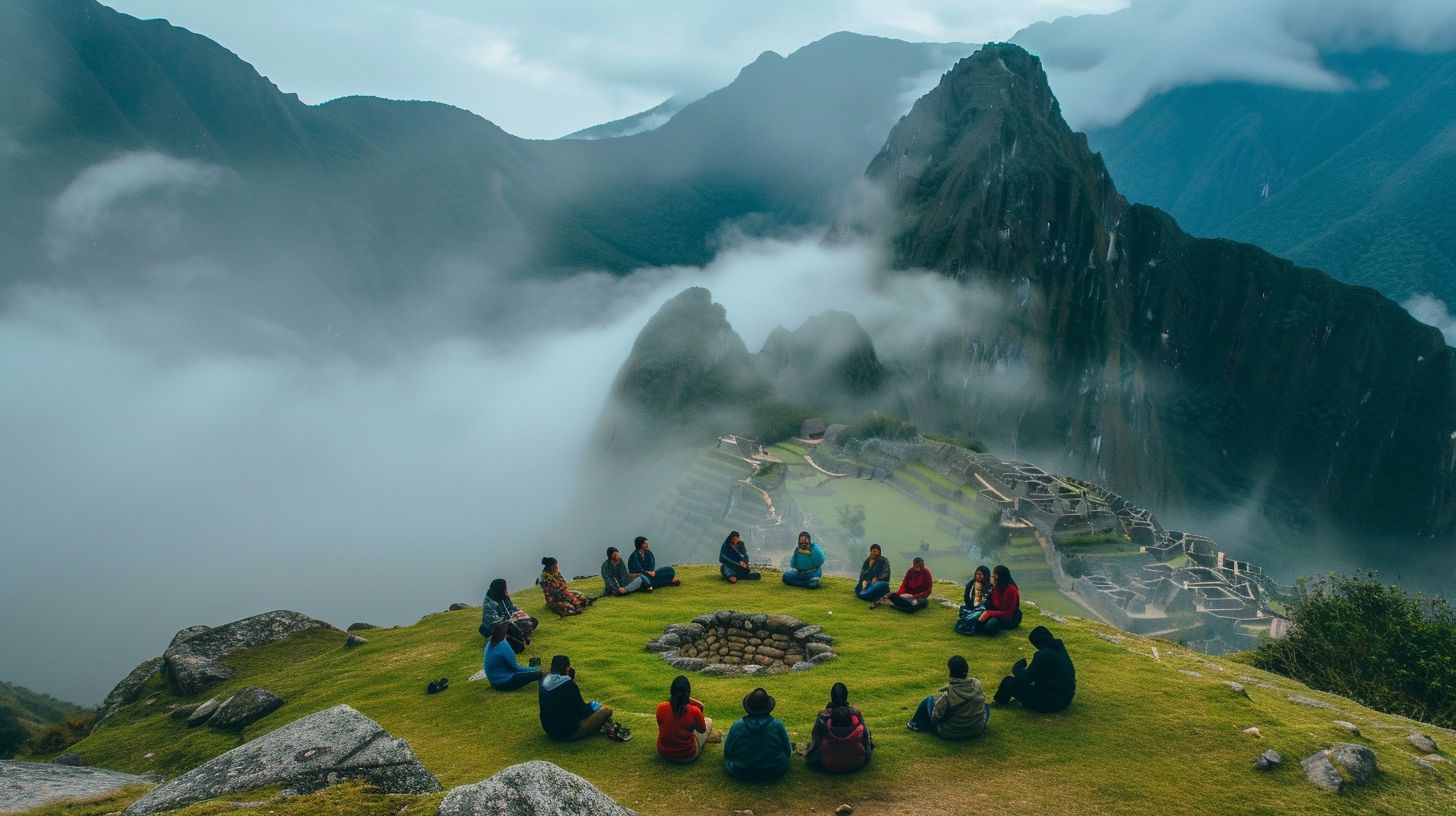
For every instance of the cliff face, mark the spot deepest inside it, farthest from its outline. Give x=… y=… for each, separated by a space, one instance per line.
x=1173 y=367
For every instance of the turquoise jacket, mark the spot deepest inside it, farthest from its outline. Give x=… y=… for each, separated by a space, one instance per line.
x=757 y=748
x=811 y=562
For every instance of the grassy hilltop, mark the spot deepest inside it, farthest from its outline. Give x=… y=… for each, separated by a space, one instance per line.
x=1142 y=736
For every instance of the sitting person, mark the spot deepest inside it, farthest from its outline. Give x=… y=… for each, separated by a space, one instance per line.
x=806 y=565
x=840 y=740
x=681 y=727
x=757 y=748
x=874 y=577
x=565 y=716
x=960 y=712
x=733 y=560
x=1048 y=684
x=617 y=579
x=977 y=598
x=643 y=562
x=498 y=607
x=1004 y=609
x=914 y=592
x=560 y=598
x=501 y=668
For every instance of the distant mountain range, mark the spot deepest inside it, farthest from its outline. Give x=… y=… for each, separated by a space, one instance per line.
x=134 y=153
x=1175 y=368
x=1356 y=183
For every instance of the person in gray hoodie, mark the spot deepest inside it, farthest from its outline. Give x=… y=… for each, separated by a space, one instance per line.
x=960 y=712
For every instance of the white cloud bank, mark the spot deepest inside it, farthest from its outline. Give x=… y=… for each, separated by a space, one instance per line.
x=1102 y=67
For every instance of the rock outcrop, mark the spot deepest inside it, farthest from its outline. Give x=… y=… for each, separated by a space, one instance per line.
x=194 y=663
x=129 y=689
x=307 y=755
x=247 y=705
x=533 y=788
x=29 y=785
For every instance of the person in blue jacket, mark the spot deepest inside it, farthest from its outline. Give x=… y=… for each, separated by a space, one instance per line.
x=806 y=565
x=733 y=560
x=643 y=562
x=757 y=748
x=501 y=668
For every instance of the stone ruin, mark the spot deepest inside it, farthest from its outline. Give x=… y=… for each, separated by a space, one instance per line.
x=732 y=643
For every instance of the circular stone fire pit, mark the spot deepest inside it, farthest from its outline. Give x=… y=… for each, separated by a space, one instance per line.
x=727 y=643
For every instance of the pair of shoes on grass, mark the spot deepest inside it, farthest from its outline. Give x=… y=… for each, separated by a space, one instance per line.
x=617 y=732
x=911 y=726
x=437 y=686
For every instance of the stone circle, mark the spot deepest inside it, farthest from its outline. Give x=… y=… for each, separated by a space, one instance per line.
x=728 y=643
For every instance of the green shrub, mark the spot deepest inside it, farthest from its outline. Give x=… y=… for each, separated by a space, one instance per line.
x=777 y=421
x=59 y=736
x=1373 y=643
x=12 y=733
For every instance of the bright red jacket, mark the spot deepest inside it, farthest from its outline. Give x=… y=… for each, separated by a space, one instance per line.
x=1004 y=601
x=916 y=583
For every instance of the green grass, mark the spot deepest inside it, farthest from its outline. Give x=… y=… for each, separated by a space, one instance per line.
x=1139 y=739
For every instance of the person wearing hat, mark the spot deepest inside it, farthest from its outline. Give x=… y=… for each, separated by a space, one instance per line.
x=840 y=740
x=681 y=727
x=757 y=748
x=806 y=565
x=1048 y=683
x=565 y=716
x=960 y=712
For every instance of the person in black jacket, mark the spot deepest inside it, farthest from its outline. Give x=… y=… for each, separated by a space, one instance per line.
x=1047 y=685
x=733 y=560
x=565 y=716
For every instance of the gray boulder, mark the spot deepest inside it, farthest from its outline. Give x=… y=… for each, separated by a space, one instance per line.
x=1422 y=742
x=307 y=755
x=1309 y=701
x=201 y=713
x=247 y=705
x=687 y=663
x=456 y=607
x=29 y=785
x=783 y=624
x=187 y=634
x=1357 y=761
x=70 y=758
x=354 y=640
x=193 y=664
x=359 y=627
x=1269 y=760
x=533 y=788
x=1319 y=770
x=816 y=649
x=822 y=657
x=807 y=631
x=129 y=689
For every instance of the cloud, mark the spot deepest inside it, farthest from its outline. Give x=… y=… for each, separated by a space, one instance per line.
x=1433 y=312
x=1102 y=67
x=135 y=194
x=541 y=70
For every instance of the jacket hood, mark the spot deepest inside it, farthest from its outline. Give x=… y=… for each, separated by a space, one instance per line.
x=962 y=689
x=758 y=722
x=551 y=681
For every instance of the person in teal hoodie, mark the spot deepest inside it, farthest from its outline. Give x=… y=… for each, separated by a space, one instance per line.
x=757 y=748
x=806 y=565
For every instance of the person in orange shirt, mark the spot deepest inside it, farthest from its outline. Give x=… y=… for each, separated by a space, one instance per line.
x=681 y=727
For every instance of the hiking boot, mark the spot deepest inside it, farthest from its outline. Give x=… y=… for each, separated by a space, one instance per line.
x=754 y=576
x=912 y=726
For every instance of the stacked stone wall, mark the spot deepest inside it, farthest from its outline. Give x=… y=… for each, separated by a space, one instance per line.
x=729 y=643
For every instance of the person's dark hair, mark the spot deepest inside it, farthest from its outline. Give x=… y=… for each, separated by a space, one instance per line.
x=498 y=632
x=611 y=550
x=1003 y=576
x=874 y=547
x=638 y=542
x=729 y=538
x=497 y=589
x=803 y=534
x=560 y=664
x=918 y=562
x=839 y=716
x=679 y=695
x=958 y=666
x=984 y=570
x=838 y=695
x=547 y=563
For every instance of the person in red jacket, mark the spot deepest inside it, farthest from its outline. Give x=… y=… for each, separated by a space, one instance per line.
x=681 y=727
x=1004 y=611
x=840 y=740
x=914 y=591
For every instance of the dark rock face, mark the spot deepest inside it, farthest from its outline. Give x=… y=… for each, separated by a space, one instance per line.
x=359 y=627
x=533 y=788
x=828 y=361
x=245 y=707
x=129 y=689
x=192 y=664
x=1152 y=354
x=184 y=634
x=308 y=755
x=29 y=785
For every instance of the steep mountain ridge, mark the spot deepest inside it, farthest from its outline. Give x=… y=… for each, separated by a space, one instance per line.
x=1172 y=366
